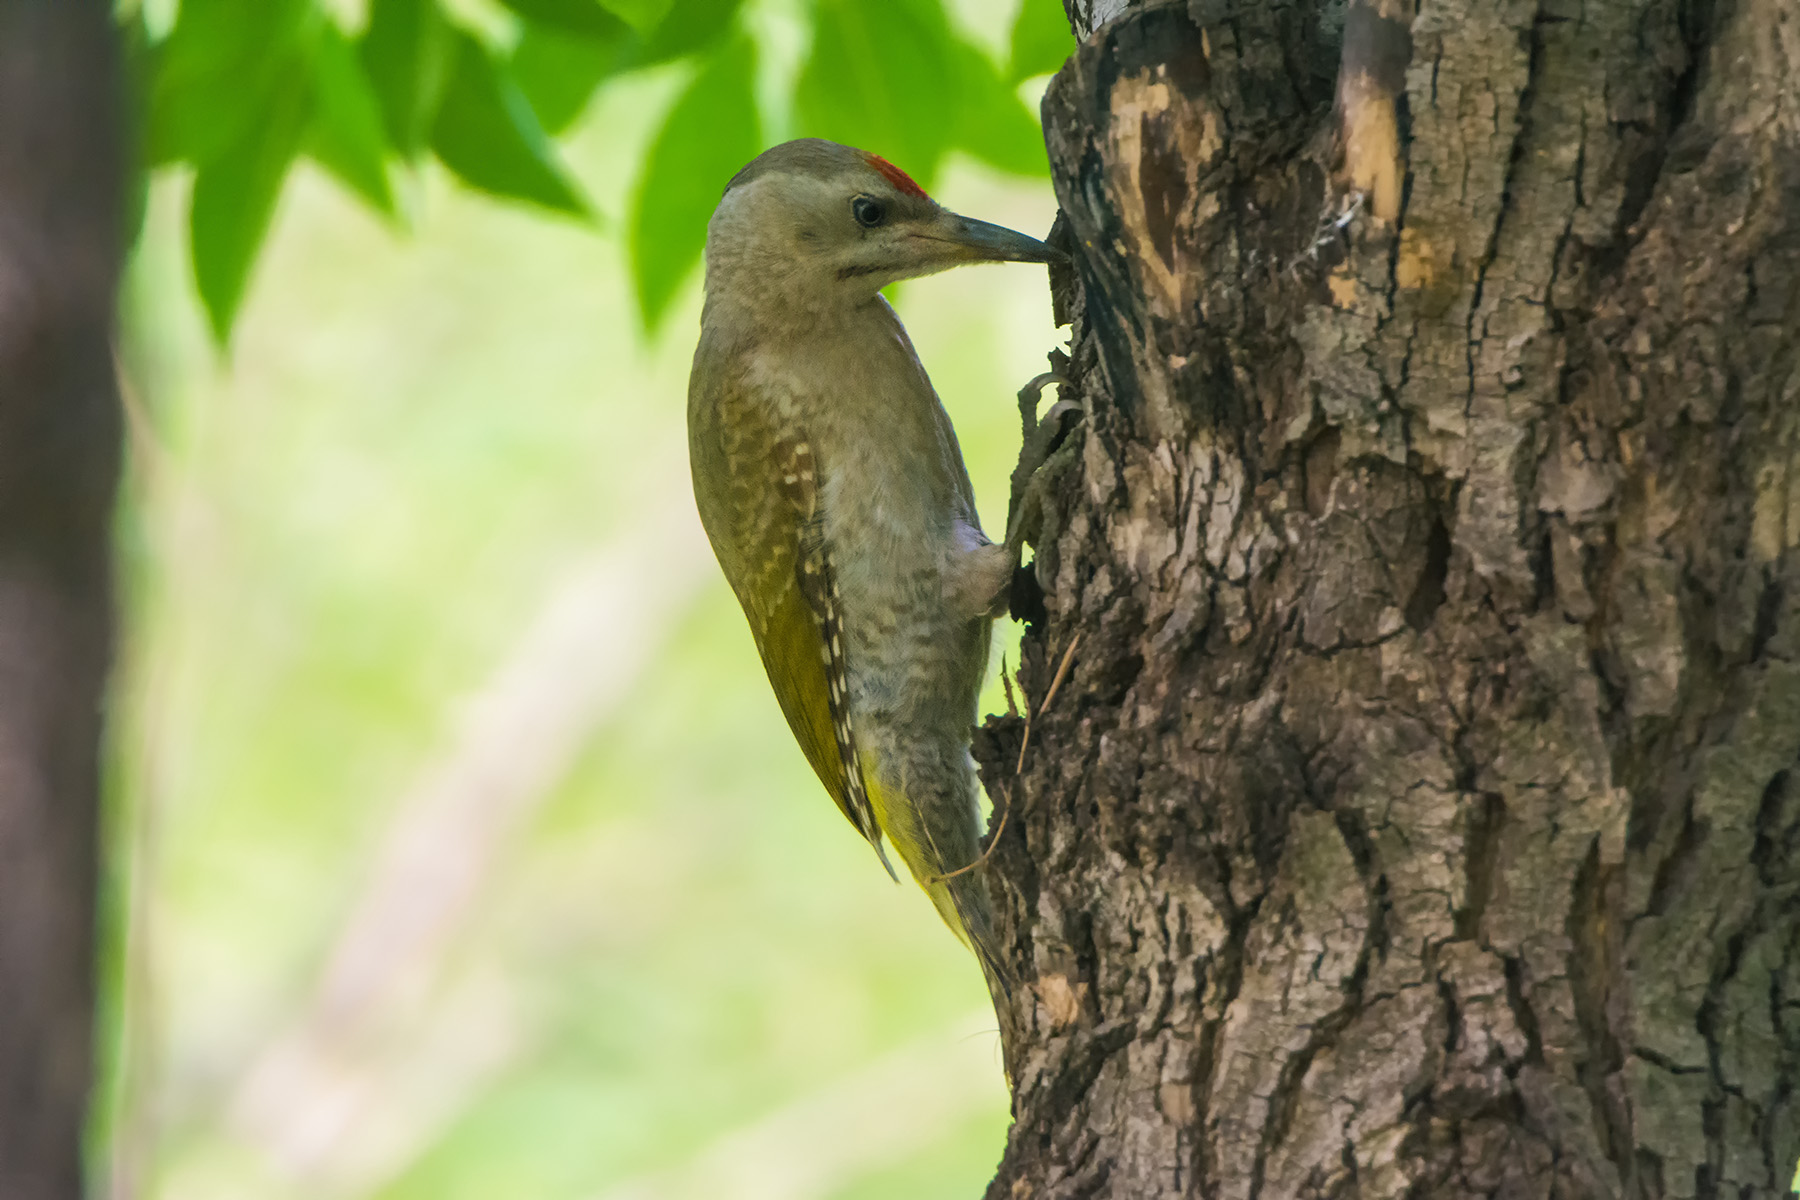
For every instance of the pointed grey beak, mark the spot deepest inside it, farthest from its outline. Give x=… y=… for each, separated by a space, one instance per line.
x=984 y=242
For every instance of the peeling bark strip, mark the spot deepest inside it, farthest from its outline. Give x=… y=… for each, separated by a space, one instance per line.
x=1420 y=817
x=1370 y=96
x=61 y=181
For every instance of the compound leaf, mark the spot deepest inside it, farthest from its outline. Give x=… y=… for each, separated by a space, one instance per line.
x=408 y=52
x=347 y=135
x=710 y=133
x=487 y=134
x=234 y=198
x=1041 y=39
x=992 y=123
x=881 y=77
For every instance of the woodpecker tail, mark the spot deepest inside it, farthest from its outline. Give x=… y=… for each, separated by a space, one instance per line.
x=944 y=857
x=975 y=910
x=962 y=901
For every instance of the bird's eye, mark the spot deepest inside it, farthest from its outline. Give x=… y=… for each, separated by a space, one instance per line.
x=868 y=211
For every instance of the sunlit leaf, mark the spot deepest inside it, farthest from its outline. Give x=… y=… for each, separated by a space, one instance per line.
x=642 y=15
x=234 y=197
x=589 y=18
x=690 y=26
x=992 y=123
x=558 y=71
x=1041 y=39
x=710 y=133
x=346 y=134
x=487 y=134
x=880 y=77
x=408 y=52
x=217 y=71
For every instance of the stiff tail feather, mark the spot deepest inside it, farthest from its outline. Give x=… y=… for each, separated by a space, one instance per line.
x=957 y=892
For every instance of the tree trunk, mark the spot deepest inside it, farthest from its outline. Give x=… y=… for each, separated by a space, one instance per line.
x=1418 y=815
x=61 y=174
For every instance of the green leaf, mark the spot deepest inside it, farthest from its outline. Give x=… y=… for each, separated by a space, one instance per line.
x=992 y=123
x=486 y=133
x=408 y=51
x=234 y=198
x=347 y=135
x=1041 y=39
x=588 y=18
x=710 y=133
x=641 y=15
x=558 y=72
x=217 y=71
x=880 y=78
x=690 y=27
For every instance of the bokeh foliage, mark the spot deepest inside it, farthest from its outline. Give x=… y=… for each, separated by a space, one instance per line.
x=238 y=90
x=342 y=536
x=336 y=543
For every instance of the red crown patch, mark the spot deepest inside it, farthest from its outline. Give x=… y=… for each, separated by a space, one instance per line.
x=894 y=175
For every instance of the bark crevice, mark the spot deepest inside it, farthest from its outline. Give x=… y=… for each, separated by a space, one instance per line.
x=1438 y=679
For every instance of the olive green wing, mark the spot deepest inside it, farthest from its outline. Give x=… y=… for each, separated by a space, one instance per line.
x=765 y=524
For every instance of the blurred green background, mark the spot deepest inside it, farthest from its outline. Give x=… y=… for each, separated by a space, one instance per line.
x=459 y=847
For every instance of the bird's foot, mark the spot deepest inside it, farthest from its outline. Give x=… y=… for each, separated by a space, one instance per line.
x=1040 y=439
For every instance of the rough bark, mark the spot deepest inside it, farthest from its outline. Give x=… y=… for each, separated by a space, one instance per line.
x=1419 y=815
x=60 y=187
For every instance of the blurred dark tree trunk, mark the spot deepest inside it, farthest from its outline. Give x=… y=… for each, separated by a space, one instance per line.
x=1419 y=816
x=61 y=181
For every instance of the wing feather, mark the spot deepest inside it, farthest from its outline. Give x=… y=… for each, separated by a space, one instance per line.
x=770 y=542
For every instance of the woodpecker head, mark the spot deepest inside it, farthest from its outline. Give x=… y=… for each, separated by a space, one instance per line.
x=824 y=224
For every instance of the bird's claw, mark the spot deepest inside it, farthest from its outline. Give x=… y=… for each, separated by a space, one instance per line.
x=1039 y=439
